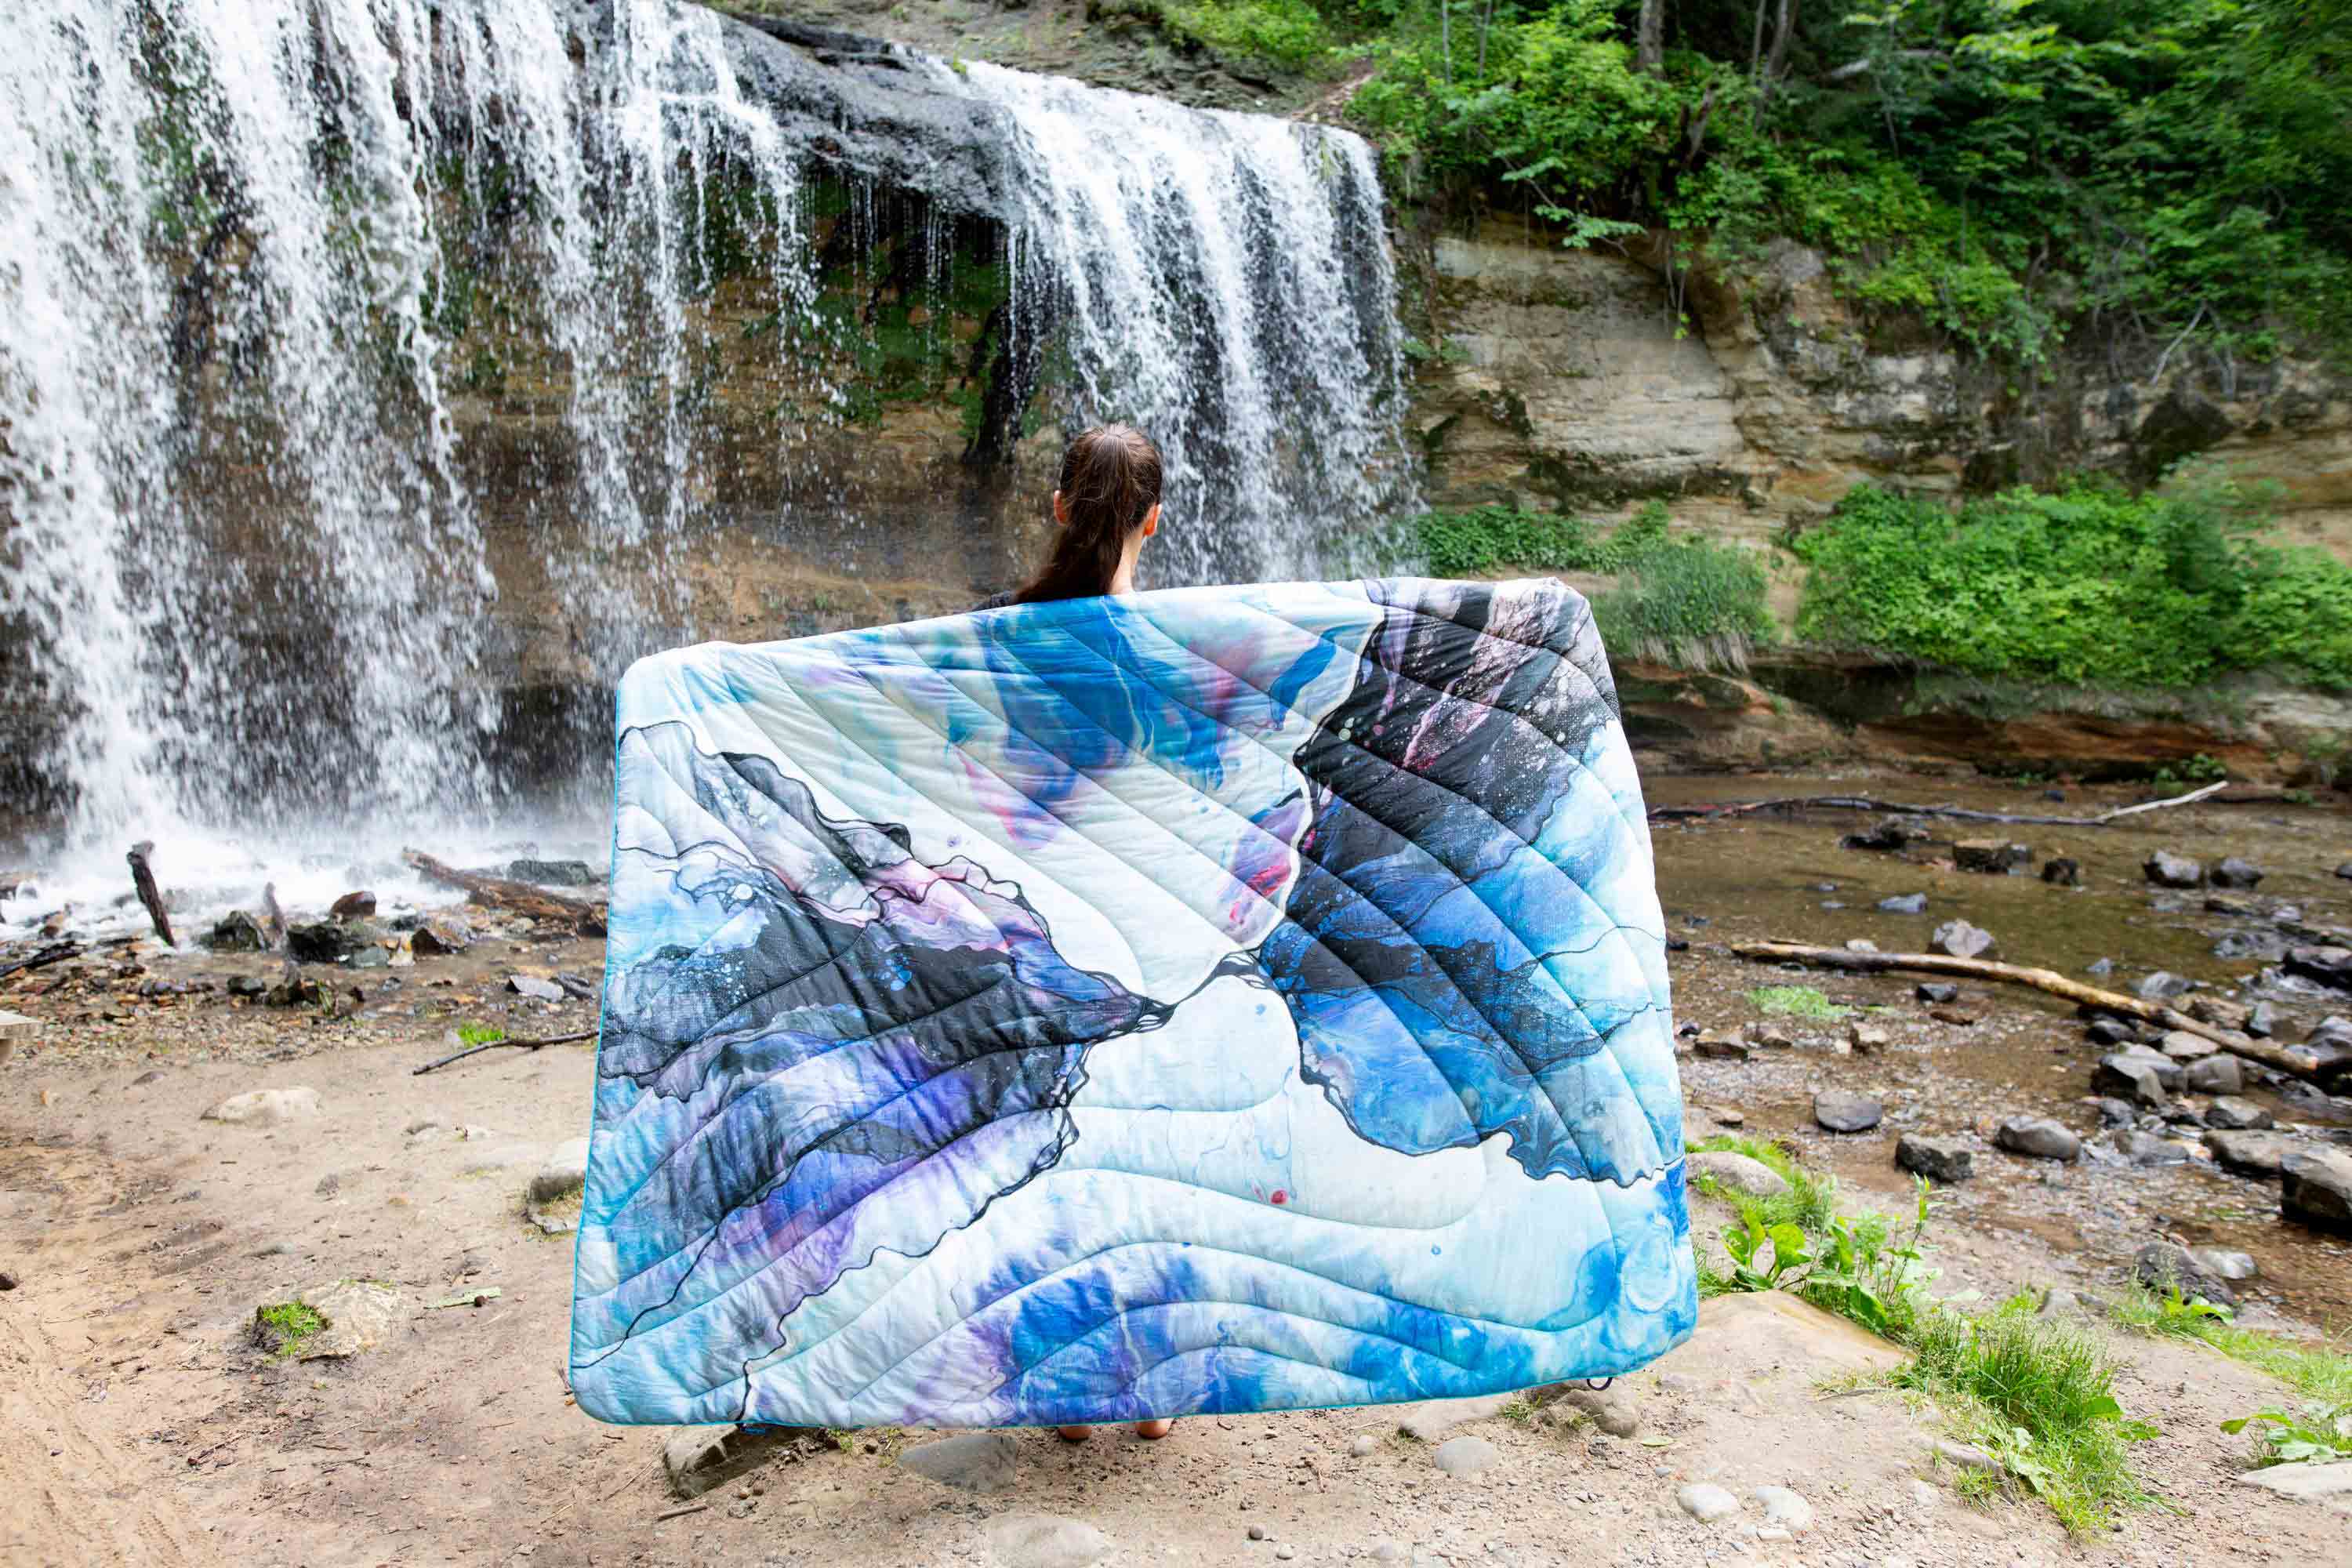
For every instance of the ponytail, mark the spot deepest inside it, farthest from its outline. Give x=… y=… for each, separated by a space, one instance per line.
x=1110 y=483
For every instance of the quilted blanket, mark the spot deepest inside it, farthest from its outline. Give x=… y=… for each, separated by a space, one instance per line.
x=1218 y=999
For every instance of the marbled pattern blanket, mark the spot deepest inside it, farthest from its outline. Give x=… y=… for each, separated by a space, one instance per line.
x=1218 y=999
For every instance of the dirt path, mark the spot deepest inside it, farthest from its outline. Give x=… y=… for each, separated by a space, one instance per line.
x=147 y=1427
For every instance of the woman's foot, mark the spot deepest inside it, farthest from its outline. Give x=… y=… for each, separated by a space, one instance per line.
x=1148 y=1430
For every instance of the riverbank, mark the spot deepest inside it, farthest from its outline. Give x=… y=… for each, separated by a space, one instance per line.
x=143 y=1237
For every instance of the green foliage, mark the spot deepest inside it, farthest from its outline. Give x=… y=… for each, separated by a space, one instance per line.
x=2315 y=1432
x=2085 y=584
x=1290 y=33
x=1686 y=602
x=286 y=1326
x=1795 y=1001
x=479 y=1033
x=2037 y=1395
x=2040 y=1397
x=2010 y=171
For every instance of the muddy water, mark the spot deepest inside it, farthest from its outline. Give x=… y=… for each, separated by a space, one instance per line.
x=1768 y=874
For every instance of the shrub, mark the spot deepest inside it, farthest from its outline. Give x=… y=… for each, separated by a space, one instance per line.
x=1693 y=604
x=2086 y=585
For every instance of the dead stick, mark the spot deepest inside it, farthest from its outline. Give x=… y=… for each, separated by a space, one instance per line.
x=494 y=1044
x=501 y=893
x=681 y=1512
x=144 y=880
x=2286 y=1058
x=42 y=959
x=1898 y=808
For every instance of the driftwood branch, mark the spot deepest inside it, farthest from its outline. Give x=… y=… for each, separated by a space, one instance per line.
x=143 y=879
x=42 y=959
x=1898 y=808
x=2285 y=1058
x=495 y=1045
x=520 y=897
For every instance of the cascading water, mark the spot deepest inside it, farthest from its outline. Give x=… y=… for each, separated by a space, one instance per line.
x=334 y=333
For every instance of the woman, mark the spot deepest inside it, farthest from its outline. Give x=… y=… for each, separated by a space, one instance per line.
x=1107 y=505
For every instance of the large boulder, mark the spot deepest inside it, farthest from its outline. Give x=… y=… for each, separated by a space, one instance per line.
x=235 y=931
x=2256 y=1154
x=326 y=942
x=2316 y=1187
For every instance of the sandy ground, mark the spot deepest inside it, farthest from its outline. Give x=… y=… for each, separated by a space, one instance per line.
x=145 y=1425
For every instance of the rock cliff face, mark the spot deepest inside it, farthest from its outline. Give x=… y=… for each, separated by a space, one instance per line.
x=1563 y=379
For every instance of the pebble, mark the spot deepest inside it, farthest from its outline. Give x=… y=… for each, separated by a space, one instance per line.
x=1044 y=1541
x=532 y=985
x=976 y=1462
x=1965 y=1456
x=266 y=1107
x=1257 y=1532
x=1364 y=1447
x=1903 y=904
x=1285 y=1552
x=1784 y=1509
x=1707 y=1503
x=1464 y=1456
x=1936 y=992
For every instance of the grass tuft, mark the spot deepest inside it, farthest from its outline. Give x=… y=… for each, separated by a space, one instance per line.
x=1795 y=1001
x=284 y=1327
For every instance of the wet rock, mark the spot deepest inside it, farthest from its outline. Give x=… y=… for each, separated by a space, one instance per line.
x=2230 y=1113
x=1045 y=1541
x=1859 y=945
x=2261 y=1020
x=1736 y=1172
x=2114 y=1112
x=371 y=958
x=2224 y=1264
x=248 y=986
x=2166 y=869
x=2100 y=967
x=1721 y=1045
x=2233 y=872
x=2146 y=1149
x=2183 y=1046
x=440 y=939
x=2161 y=985
x=2264 y=946
x=1944 y=1159
x=326 y=942
x=1841 y=1110
x=1892 y=834
x=553 y=873
x=1867 y=1040
x=1961 y=939
x=266 y=1107
x=1990 y=856
x=2108 y=1031
x=1903 y=904
x=976 y=1462
x=2217 y=1011
x=2256 y=1154
x=2164 y=1266
x=1936 y=992
x=532 y=985
x=1464 y=1456
x=2329 y=965
x=2345 y=870
x=2316 y=1187
x=235 y=931
x=1707 y=1503
x=2039 y=1138
x=579 y=988
x=2182 y=1114
x=2224 y=904
x=2145 y=1078
x=2061 y=872
x=352 y=906
x=2313 y=1104
x=2220 y=1073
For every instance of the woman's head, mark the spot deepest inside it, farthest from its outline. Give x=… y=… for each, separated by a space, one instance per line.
x=1105 y=505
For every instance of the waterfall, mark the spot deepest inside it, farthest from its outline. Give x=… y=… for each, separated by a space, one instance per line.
x=371 y=369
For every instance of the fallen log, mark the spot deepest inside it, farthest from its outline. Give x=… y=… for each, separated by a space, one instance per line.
x=45 y=957
x=585 y=918
x=495 y=1045
x=2303 y=1064
x=143 y=878
x=1899 y=808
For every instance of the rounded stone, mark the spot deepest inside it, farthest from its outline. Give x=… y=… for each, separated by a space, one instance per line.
x=1841 y=1110
x=1707 y=1503
x=1938 y=1159
x=2038 y=1138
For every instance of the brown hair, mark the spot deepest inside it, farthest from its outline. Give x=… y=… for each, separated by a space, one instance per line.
x=1111 y=482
